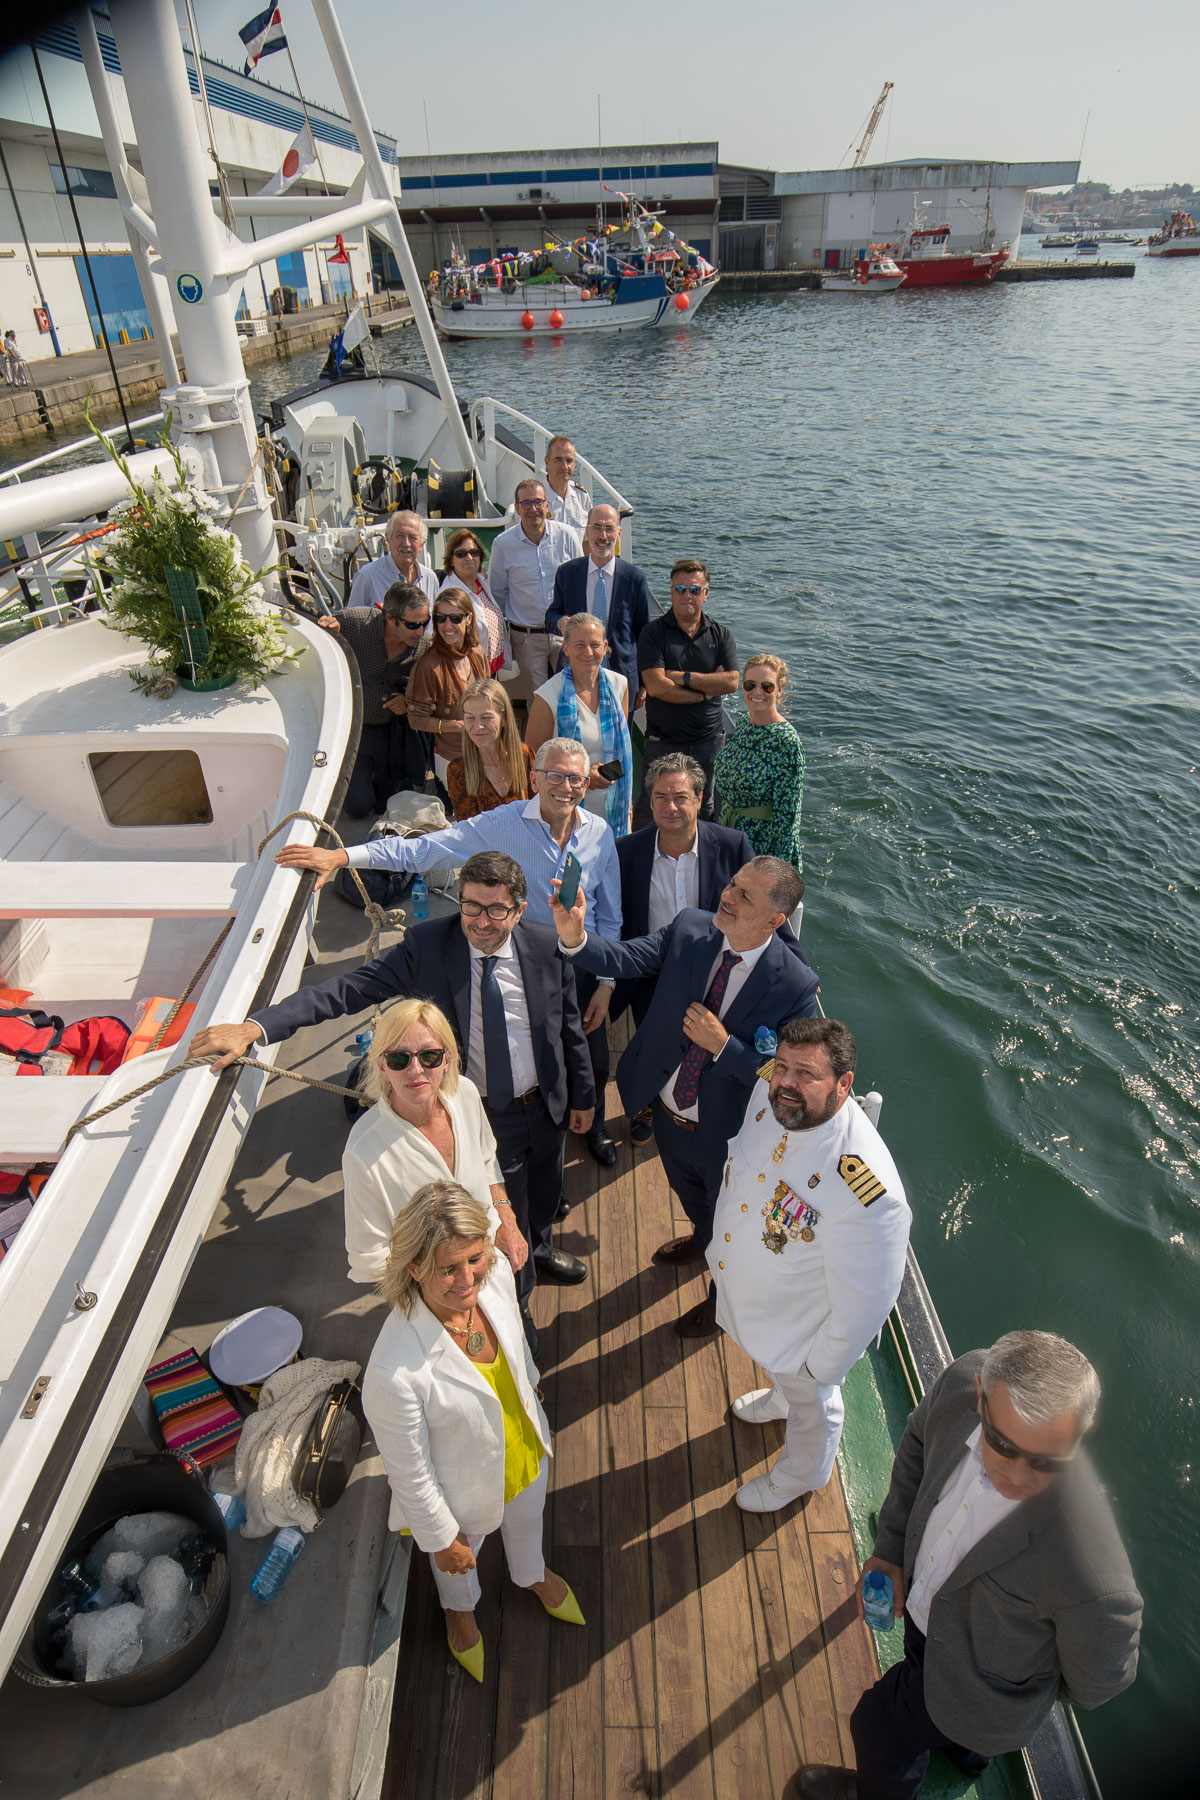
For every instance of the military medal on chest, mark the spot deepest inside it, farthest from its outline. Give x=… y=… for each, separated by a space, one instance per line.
x=788 y=1217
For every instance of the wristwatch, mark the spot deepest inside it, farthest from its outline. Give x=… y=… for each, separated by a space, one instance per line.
x=687 y=678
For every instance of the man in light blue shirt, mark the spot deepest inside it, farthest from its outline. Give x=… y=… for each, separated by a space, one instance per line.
x=405 y=539
x=524 y=562
x=538 y=834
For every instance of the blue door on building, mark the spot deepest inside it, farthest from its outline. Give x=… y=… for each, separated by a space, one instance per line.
x=122 y=304
x=292 y=273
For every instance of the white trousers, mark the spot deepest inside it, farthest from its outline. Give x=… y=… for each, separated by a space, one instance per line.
x=521 y=1530
x=813 y=1431
x=536 y=656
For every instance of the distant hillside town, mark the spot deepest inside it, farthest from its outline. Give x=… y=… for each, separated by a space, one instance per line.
x=1094 y=203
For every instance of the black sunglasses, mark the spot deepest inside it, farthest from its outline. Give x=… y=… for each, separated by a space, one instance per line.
x=1041 y=1465
x=450 y=618
x=400 y=1059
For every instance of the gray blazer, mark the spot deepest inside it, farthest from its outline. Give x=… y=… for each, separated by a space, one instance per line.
x=1043 y=1608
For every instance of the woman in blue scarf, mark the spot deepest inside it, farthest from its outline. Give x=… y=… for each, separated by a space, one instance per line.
x=590 y=703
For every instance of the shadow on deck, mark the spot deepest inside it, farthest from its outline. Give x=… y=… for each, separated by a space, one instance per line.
x=722 y=1649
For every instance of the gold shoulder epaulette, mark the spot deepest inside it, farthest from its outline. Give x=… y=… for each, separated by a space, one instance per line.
x=767 y=1070
x=863 y=1183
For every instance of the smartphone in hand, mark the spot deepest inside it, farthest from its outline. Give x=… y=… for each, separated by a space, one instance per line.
x=568 y=891
x=611 y=771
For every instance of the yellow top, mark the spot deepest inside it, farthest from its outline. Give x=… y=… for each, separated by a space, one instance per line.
x=522 y=1447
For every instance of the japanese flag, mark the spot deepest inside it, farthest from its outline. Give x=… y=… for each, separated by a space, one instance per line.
x=300 y=160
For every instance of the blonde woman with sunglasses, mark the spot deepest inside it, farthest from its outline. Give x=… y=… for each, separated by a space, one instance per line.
x=759 y=775
x=425 y=1122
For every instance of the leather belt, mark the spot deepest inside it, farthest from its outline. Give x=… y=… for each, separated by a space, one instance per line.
x=525 y=1099
x=526 y=629
x=683 y=1124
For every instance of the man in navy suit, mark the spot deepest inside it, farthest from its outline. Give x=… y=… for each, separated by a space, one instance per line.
x=605 y=584
x=723 y=978
x=441 y=961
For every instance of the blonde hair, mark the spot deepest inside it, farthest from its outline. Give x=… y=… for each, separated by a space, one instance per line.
x=394 y=1024
x=438 y=1214
x=512 y=751
x=775 y=663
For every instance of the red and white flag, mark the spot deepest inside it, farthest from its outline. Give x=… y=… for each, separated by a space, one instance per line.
x=300 y=160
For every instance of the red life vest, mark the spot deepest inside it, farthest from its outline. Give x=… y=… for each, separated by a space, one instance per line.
x=43 y=1045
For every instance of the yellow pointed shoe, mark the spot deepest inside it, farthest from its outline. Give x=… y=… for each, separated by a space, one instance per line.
x=471 y=1660
x=567 y=1609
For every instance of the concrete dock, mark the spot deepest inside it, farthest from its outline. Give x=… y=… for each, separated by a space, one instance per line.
x=778 y=281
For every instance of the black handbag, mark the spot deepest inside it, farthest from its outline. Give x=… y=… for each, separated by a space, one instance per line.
x=330 y=1451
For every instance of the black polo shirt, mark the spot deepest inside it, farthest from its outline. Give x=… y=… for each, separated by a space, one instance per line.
x=362 y=634
x=663 y=645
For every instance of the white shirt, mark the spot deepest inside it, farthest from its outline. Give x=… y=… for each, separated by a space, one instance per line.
x=372 y=583
x=674 y=883
x=516 y=1019
x=590 y=734
x=573 y=508
x=521 y=573
x=809 y=1239
x=738 y=976
x=387 y=1159
x=967 y=1509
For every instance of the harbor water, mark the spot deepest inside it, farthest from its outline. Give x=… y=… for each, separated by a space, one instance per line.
x=968 y=520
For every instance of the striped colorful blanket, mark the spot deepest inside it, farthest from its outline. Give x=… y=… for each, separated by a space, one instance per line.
x=193 y=1413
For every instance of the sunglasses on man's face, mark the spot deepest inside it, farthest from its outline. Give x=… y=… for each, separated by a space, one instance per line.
x=688 y=587
x=400 y=1059
x=1041 y=1465
x=414 y=624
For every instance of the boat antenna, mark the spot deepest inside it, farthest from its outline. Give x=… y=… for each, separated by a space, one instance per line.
x=600 y=156
x=87 y=261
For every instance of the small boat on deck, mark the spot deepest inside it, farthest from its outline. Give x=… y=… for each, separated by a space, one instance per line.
x=874 y=273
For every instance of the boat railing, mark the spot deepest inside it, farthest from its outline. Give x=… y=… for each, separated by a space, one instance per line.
x=63 y=450
x=483 y=415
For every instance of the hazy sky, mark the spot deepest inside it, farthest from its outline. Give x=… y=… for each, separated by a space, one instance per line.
x=783 y=84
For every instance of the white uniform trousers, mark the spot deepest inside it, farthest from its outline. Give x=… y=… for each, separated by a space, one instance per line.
x=813 y=1432
x=536 y=656
x=521 y=1529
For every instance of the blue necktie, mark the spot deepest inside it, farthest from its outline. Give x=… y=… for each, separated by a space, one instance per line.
x=497 y=1064
x=600 y=598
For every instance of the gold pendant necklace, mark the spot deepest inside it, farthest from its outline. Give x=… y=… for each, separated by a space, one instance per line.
x=475 y=1339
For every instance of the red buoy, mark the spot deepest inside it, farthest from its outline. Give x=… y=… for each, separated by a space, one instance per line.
x=527 y=321
x=556 y=320
x=682 y=302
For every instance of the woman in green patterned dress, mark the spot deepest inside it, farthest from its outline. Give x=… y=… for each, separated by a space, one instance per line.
x=759 y=775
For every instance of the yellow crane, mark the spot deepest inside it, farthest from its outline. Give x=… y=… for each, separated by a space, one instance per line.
x=860 y=155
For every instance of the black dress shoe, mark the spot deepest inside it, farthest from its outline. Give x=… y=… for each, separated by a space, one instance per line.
x=602 y=1146
x=700 y=1322
x=564 y=1207
x=531 y=1334
x=559 y=1265
x=823 y=1781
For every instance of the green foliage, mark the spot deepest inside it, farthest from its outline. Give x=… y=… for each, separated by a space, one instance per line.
x=167 y=523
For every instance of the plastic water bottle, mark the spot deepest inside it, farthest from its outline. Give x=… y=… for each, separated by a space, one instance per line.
x=277 y=1566
x=420 y=898
x=362 y=1045
x=233 y=1510
x=878 y=1601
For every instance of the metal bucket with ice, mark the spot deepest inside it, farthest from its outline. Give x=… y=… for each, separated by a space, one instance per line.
x=142 y=1594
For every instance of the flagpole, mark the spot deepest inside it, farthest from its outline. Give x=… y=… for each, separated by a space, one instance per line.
x=304 y=109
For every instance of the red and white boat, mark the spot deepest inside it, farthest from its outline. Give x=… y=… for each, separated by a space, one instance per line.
x=1178 y=237
x=925 y=260
x=874 y=273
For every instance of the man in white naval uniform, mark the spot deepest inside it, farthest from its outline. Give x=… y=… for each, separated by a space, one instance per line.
x=808 y=1248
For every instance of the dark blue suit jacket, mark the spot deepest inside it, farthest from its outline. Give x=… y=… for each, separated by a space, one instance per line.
x=630 y=606
x=434 y=961
x=781 y=986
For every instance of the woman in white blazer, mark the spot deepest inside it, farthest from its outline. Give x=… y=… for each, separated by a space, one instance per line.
x=450 y=1394
x=427 y=1124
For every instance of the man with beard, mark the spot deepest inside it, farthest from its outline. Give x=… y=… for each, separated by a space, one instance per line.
x=807 y=1251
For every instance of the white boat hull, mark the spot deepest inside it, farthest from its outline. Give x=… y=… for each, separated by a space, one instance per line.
x=128 y=1203
x=1185 y=244
x=850 y=284
x=507 y=315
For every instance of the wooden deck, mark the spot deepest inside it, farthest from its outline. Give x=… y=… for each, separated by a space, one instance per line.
x=722 y=1649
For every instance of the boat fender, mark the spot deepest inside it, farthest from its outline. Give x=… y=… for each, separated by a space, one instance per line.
x=527 y=321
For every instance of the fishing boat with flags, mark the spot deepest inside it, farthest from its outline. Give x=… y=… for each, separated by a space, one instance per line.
x=635 y=274
x=717 y=1653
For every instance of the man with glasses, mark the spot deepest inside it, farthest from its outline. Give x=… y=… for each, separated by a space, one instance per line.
x=687 y=663
x=525 y=559
x=511 y=1001
x=385 y=641
x=808 y=1248
x=402 y=560
x=1006 y=1564
x=614 y=590
x=538 y=834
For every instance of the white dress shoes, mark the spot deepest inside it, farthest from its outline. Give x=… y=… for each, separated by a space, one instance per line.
x=761 y=1405
x=762 y=1496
